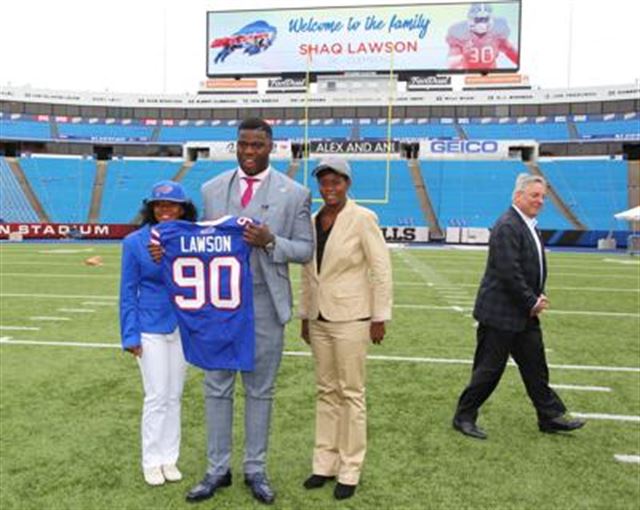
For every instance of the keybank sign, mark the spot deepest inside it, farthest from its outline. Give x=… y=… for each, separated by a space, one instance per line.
x=463 y=149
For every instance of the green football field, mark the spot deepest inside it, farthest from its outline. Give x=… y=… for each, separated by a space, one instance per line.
x=70 y=399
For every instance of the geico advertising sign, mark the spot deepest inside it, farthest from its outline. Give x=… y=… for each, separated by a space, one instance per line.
x=460 y=37
x=463 y=149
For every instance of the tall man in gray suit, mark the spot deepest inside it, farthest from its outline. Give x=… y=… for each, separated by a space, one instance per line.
x=284 y=234
x=509 y=302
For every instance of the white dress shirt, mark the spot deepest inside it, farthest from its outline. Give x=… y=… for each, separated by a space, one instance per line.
x=256 y=185
x=531 y=225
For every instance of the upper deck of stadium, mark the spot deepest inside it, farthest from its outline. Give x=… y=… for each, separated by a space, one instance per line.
x=552 y=116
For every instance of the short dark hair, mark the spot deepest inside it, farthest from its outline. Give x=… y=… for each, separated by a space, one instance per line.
x=254 y=123
x=190 y=213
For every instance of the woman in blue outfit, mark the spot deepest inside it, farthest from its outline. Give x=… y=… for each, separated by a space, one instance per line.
x=149 y=331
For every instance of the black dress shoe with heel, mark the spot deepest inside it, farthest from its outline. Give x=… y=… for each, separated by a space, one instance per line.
x=468 y=428
x=560 y=424
x=344 y=491
x=317 y=481
x=208 y=486
x=260 y=487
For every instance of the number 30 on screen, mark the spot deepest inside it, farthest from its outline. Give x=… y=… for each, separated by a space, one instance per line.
x=199 y=281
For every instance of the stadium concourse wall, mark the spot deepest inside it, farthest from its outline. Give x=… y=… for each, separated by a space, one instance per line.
x=18 y=232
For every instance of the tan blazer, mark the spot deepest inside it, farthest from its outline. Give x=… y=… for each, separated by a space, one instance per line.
x=355 y=277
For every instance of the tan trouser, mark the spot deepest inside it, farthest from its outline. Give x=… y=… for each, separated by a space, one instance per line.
x=339 y=351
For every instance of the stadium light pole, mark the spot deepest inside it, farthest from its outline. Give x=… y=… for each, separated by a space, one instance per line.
x=164 y=47
x=570 y=45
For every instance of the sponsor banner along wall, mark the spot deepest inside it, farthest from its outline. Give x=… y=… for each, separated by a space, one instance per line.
x=472 y=149
x=64 y=231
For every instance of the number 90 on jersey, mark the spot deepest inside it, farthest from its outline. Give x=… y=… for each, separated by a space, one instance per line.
x=217 y=282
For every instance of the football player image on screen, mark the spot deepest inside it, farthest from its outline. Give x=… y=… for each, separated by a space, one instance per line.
x=477 y=42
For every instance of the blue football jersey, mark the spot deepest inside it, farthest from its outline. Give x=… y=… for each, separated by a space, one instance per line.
x=207 y=273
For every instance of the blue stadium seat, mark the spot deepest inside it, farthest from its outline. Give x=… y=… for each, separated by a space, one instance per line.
x=197 y=133
x=25 y=129
x=516 y=131
x=14 y=206
x=127 y=183
x=102 y=131
x=378 y=131
x=595 y=189
x=609 y=129
x=476 y=193
x=63 y=186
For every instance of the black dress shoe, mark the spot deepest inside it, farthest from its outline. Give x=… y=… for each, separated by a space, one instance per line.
x=317 y=481
x=344 y=491
x=468 y=428
x=560 y=424
x=208 y=486
x=260 y=487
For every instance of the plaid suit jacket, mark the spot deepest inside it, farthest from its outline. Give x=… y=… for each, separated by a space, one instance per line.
x=512 y=282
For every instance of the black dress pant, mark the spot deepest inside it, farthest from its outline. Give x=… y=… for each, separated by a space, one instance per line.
x=492 y=353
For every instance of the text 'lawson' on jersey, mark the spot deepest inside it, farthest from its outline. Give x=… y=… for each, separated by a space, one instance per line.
x=208 y=276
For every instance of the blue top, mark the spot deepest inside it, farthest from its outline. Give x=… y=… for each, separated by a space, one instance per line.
x=145 y=305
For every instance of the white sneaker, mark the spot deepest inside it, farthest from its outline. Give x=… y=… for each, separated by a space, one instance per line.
x=153 y=476
x=171 y=473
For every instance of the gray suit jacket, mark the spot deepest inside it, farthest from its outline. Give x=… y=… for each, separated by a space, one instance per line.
x=287 y=212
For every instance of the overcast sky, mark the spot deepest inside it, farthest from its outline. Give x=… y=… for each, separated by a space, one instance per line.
x=156 y=46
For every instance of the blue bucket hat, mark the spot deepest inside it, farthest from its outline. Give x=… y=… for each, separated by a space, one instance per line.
x=170 y=191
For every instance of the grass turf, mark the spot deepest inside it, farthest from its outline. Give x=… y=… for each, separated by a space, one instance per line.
x=69 y=416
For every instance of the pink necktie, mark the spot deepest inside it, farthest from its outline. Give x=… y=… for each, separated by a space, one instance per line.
x=248 y=193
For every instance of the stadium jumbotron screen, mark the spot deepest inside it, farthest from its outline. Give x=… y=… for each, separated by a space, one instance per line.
x=462 y=37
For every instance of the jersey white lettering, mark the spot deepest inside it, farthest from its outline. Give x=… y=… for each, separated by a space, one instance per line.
x=189 y=273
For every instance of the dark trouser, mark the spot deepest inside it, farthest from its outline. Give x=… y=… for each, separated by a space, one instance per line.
x=492 y=353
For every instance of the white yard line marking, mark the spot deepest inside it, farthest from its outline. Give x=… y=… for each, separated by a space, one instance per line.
x=20 y=328
x=76 y=310
x=9 y=340
x=411 y=306
x=52 y=275
x=559 y=312
x=41 y=263
x=449 y=361
x=627 y=459
x=47 y=318
x=623 y=261
x=580 y=388
x=66 y=251
x=402 y=283
x=602 y=416
x=56 y=296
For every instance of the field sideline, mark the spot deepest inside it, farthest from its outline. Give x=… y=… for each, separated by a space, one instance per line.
x=69 y=409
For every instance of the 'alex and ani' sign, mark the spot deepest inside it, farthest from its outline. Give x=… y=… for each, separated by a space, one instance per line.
x=357 y=147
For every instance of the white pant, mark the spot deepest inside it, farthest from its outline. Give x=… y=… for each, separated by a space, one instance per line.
x=163 y=371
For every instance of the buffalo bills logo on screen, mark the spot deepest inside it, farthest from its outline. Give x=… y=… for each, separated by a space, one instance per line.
x=252 y=39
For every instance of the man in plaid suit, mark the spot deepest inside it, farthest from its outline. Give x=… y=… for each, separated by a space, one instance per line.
x=508 y=305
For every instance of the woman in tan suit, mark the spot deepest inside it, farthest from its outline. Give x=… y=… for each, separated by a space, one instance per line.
x=345 y=301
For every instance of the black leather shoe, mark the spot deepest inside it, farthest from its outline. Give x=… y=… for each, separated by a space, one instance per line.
x=317 y=481
x=560 y=424
x=343 y=491
x=468 y=428
x=208 y=486
x=260 y=487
